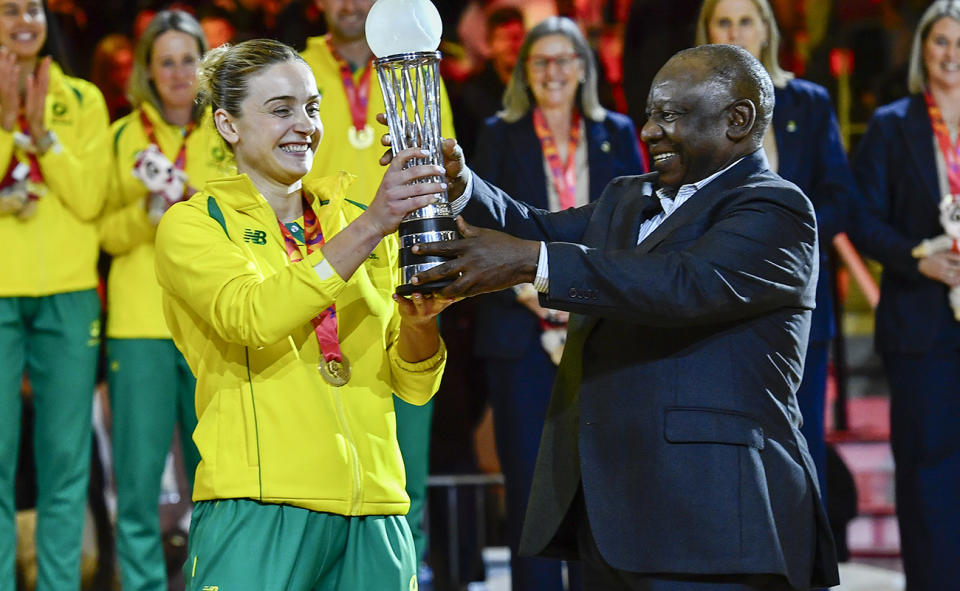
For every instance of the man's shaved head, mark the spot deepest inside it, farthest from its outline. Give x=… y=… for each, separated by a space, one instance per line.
x=737 y=72
x=708 y=107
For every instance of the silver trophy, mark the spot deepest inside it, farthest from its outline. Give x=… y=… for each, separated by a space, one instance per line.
x=398 y=31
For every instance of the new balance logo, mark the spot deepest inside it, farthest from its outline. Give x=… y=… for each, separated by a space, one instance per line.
x=255 y=236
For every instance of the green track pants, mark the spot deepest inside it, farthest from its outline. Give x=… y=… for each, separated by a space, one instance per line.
x=151 y=391
x=56 y=340
x=413 y=435
x=243 y=545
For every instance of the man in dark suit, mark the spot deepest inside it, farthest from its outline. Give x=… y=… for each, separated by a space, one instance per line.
x=671 y=458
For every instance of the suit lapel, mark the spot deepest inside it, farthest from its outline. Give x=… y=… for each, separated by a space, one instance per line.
x=694 y=206
x=627 y=216
x=599 y=157
x=918 y=136
x=624 y=225
x=787 y=148
x=523 y=140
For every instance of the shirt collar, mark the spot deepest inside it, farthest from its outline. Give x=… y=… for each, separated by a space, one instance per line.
x=686 y=191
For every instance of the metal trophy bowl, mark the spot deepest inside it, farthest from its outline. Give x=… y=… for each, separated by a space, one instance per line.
x=410 y=83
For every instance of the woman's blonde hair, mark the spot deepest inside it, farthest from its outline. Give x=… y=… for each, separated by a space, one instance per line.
x=769 y=50
x=917 y=74
x=224 y=74
x=225 y=71
x=517 y=98
x=140 y=88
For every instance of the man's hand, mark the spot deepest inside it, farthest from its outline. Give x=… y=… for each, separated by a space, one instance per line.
x=485 y=261
x=453 y=161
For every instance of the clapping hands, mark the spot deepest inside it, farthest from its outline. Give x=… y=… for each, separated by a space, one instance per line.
x=32 y=99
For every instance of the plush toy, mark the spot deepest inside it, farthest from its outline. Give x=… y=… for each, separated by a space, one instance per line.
x=553 y=338
x=161 y=178
x=19 y=189
x=949 y=240
x=13 y=195
x=553 y=323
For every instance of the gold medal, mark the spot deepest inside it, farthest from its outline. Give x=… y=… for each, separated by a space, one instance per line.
x=360 y=139
x=335 y=373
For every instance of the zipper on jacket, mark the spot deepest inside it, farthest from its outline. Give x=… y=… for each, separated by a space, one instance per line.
x=355 y=499
x=355 y=457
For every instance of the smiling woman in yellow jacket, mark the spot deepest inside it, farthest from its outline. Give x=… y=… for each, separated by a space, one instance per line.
x=151 y=387
x=280 y=295
x=49 y=310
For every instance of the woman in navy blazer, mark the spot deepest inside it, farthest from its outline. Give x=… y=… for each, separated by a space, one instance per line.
x=803 y=146
x=527 y=150
x=903 y=175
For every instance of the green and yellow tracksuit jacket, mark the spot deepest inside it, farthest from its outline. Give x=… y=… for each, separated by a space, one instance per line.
x=55 y=250
x=270 y=428
x=126 y=231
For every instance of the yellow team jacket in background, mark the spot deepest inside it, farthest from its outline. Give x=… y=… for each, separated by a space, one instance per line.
x=126 y=233
x=269 y=428
x=55 y=250
x=334 y=152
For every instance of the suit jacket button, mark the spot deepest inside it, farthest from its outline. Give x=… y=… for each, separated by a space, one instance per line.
x=573 y=292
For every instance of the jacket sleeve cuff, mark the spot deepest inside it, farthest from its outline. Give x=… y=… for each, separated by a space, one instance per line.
x=429 y=365
x=323 y=271
x=416 y=383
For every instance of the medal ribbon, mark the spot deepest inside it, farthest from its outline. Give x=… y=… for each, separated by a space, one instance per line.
x=950 y=151
x=324 y=323
x=181 y=161
x=358 y=95
x=34 y=177
x=564 y=175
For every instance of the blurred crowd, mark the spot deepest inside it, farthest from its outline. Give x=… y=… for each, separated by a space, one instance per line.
x=99 y=37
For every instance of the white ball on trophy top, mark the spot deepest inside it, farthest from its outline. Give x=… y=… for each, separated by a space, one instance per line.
x=403 y=26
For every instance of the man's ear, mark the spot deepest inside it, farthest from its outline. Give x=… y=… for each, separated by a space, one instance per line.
x=226 y=127
x=741 y=117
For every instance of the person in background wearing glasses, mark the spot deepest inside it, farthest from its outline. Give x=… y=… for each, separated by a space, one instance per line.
x=556 y=151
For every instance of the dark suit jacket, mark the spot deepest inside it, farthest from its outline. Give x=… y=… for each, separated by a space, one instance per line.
x=674 y=403
x=480 y=97
x=812 y=156
x=509 y=156
x=896 y=168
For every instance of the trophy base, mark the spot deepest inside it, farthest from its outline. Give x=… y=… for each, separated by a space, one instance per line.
x=409 y=289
